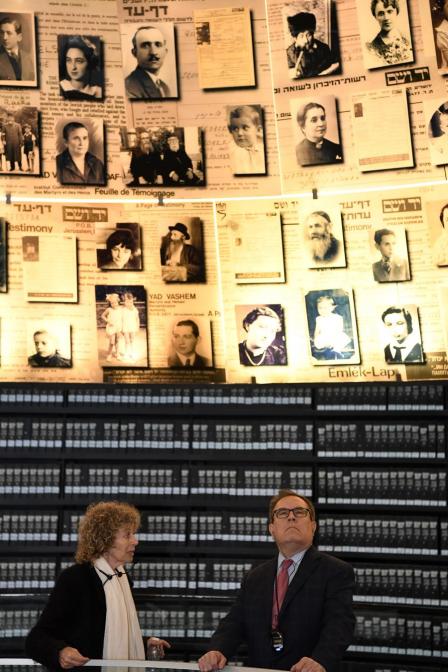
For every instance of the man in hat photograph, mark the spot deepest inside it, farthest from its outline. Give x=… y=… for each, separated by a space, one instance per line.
x=176 y=165
x=308 y=56
x=181 y=261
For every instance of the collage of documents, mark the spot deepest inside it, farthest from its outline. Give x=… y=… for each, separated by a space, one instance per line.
x=136 y=142
x=248 y=290
x=204 y=99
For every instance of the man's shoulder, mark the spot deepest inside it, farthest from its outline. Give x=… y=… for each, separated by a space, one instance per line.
x=329 y=562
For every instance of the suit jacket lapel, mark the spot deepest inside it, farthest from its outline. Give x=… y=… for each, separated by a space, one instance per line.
x=306 y=567
x=266 y=591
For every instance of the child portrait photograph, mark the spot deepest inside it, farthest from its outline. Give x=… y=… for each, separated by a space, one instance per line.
x=119 y=247
x=121 y=319
x=49 y=344
x=389 y=246
x=246 y=145
x=332 y=329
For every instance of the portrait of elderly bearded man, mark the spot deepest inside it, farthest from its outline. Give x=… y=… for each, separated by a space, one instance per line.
x=324 y=249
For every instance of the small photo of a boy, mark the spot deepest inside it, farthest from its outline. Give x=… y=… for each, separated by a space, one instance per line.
x=49 y=344
x=246 y=148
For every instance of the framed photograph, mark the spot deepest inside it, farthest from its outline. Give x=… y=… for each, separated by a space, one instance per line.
x=121 y=320
x=81 y=67
x=165 y=156
x=389 y=248
x=400 y=332
x=323 y=236
x=149 y=60
x=332 y=329
x=20 y=141
x=49 y=344
x=119 y=247
x=315 y=125
x=189 y=343
x=436 y=117
x=18 y=62
x=437 y=220
x=439 y=19
x=80 y=147
x=261 y=334
x=57 y=252
x=3 y=255
x=246 y=142
x=311 y=39
x=385 y=33
x=182 y=251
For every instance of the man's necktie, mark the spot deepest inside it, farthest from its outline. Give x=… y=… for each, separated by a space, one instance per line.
x=387 y=267
x=280 y=588
x=160 y=86
x=187 y=362
x=398 y=357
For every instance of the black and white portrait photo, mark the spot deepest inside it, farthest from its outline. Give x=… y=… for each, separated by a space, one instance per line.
x=80 y=147
x=81 y=68
x=20 y=143
x=119 y=247
x=439 y=19
x=121 y=319
x=332 y=331
x=3 y=255
x=18 y=49
x=315 y=126
x=389 y=247
x=261 y=330
x=322 y=234
x=149 y=60
x=401 y=337
x=189 y=343
x=246 y=142
x=436 y=115
x=165 y=156
x=385 y=33
x=311 y=36
x=49 y=344
x=182 y=251
x=437 y=218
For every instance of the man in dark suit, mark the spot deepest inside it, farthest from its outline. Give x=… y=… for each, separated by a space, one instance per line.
x=181 y=261
x=149 y=48
x=294 y=612
x=184 y=339
x=15 y=63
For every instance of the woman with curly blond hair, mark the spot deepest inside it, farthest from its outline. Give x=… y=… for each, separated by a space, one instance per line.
x=91 y=611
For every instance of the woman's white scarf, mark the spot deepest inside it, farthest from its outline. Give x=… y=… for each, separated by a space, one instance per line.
x=122 y=634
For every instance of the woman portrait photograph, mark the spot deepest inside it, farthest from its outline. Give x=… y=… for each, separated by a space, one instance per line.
x=392 y=44
x=118 y=248
x=81 y=73
x=80 y=143
x=439 y=18
x=315 y=124
x=401 y=337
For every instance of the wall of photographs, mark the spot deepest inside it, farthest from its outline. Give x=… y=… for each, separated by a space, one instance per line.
x=122 y=147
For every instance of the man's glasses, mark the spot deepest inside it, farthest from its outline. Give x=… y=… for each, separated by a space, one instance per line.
x=297 y=512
